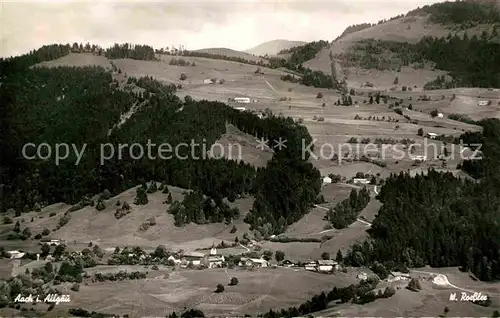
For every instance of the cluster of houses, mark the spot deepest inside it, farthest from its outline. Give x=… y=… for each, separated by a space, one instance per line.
x=214 y=260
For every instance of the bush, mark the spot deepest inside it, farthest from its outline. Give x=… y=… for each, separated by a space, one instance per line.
x=183 y=77
x=7 y=220
x=75 y=287
x=320 y=95
x=219 y=289
x=52 y=214
x=234 y=281
x=45 y=232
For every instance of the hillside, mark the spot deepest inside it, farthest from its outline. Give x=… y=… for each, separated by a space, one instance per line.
x=437 y=20
x=231 y=53
x=273 y=47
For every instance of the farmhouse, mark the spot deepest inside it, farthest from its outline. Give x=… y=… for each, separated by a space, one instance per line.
x=311 y=266
x=419 y=158
x=483 y=103
x=431 y=135
x=243 y=100
x=15 y=254
x=253 y=262
x=361 y=180
x=327 y=180
x=288 y=263
x=173 y=259
x=326 y=265
x=52 y=242
x=193 y=258
x=362 y=276
x=242 y=109
x=207 y=81
x=440 y=115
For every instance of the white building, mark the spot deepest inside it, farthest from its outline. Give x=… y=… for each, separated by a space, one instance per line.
x=207 y=81
x=483 y=103
x=16 y=254
x=215 y=261
x=311 y=266
x=419 y=158
x=327 y=180
x=173 y=259
x=193 y=258
x=361 y=180
x=244 y=100
x=253 y=262
x=440 y=115
x=362 y=276
x=326 y=265
x=242 y=109
x=431 y=135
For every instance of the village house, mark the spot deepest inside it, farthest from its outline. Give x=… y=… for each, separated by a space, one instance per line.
x=253 y=262
x=419 y=158
x=288 y=263
x=327 y=180
x=243 y=100
x=207 y=81
x=214 y=260
x=483 y=103
x=362 y=276
x=311 y=266
x=193 y=258
x=172 y=258
x=398 y=276
x=440 y=115
x=327 y=265
x=361 y=180
x=16 y=254
x=431 y=135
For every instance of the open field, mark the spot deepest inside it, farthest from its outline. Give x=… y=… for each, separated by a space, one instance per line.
x=236 y=145
x=165 y=291
x=102 y=228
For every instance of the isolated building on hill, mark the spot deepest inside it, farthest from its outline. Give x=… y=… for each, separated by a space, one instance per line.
x=326 y=265
x=327 y=180
x=243 y=100
x=483 y=103
x=16 y=254
x=431 y=135
x=361 y=180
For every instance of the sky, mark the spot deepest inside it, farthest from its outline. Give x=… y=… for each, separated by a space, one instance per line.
x=239 y=25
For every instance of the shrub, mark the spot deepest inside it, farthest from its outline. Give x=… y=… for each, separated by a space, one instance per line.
x=234 y=281
x=45 y=232
x=7 y=220
x=420 y=132
x=320 y=95
x=75 y=287
x=183 y=77
x=219 y=289
x=52 y=214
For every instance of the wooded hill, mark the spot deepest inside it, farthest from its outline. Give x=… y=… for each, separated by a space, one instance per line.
x=81 y=105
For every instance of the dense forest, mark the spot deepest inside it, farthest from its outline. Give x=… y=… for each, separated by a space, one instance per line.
x=81 y=107
x=346 y=212
x=468 y=60
x=130 y=51
x=304 y=53
x=461 y=12
x=440 y=220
